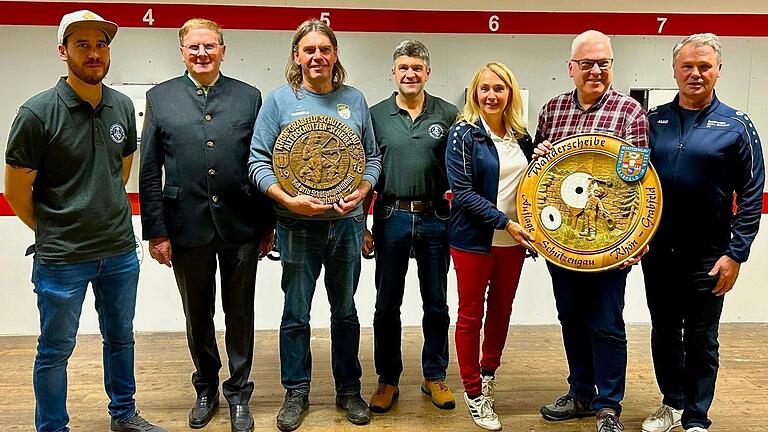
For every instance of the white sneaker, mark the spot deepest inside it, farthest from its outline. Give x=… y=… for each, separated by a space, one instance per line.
x=489 y=388
x=482 y=412
x=696 y=429
x=663 y=420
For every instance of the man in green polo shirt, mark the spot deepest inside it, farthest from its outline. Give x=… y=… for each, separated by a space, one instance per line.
x=410 y=219
x=68 y=158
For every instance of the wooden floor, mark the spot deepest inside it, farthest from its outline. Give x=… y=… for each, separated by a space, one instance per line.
x=533 y=373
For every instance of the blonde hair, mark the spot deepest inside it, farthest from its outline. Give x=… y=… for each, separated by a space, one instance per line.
x=513 y=112
x=293 y=71
x=200 y=23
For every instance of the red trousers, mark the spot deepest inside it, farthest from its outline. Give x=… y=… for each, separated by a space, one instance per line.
x=499 y=272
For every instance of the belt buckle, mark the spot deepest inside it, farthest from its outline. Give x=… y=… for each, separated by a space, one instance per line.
x=411 y=205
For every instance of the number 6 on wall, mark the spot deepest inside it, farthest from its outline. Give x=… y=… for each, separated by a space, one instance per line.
x=493 y=23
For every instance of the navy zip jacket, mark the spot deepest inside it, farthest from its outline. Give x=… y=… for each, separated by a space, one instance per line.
x=472 y=163
x=719 y=155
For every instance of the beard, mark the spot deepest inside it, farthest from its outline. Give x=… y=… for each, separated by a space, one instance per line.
x=87 y=75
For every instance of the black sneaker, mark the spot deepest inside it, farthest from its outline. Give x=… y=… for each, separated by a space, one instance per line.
x=135 y=424
x=357 y=410
x=292 y=412
x=565 y=408
x=608 y=421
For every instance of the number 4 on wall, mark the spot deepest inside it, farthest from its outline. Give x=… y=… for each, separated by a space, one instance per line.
x=148 y=17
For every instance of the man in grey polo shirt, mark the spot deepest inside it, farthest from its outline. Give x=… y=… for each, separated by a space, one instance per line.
x=410 y=219
x=68 y=157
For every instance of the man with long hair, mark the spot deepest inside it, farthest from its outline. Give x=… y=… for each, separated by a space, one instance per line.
x=310 y=234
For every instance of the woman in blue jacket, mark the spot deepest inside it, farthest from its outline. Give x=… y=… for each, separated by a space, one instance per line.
x=488 y=152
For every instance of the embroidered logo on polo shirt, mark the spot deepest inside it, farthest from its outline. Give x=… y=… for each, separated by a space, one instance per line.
x=343 y=110
x=117 y=133
x=436 y=131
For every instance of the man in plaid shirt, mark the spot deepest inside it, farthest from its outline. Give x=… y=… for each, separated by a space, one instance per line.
x=590 y=305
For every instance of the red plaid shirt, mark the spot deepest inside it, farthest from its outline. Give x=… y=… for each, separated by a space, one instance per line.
x=614 y=113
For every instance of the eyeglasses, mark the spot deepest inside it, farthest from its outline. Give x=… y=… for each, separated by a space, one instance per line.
x=587 y=64
x=208 y=48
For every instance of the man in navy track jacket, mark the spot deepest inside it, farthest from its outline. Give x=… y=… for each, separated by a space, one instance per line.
x=705 y=153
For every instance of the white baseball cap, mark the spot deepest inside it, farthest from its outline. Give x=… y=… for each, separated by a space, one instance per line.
x=85 y=19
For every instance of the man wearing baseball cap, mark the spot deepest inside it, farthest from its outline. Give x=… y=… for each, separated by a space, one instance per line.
x=73 y=145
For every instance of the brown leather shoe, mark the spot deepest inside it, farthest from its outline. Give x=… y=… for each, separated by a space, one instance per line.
x=383 y=398
x=441 y=394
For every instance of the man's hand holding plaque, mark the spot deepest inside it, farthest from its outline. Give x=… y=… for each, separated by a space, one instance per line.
x=304 y=205
x=319 y=161
x=350 y=202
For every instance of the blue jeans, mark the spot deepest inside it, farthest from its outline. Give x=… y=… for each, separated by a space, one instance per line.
x=399 y=235
x=60 y=292
x=685 y=319
x=590 y=308
x=305 y=247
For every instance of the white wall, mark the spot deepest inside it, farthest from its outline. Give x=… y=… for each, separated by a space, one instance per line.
x=159 y=307
x=258 y=57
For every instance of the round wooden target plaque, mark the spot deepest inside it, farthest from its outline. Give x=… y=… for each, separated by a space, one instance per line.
x=319 y=156
x=591 y=203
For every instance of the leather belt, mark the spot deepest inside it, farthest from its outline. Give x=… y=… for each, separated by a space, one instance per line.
x=413 y=206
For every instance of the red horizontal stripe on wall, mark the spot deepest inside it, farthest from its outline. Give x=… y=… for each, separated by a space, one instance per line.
x=149 y=15
x=6 y=210
x=134 y=199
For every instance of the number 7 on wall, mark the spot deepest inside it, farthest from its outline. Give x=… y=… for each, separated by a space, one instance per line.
x=661 y=21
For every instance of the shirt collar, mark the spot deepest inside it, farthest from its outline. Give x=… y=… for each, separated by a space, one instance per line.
x=712 y=104
x=197 y=84
x=493 y=136
x=429 y=104
x=73 y=100
x=595 y=106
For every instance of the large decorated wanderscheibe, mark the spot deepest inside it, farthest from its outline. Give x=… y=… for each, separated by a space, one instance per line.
x=319 y=156
x=591 y=203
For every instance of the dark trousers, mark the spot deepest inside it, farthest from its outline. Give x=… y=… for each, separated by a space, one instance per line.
x=685 y=316
x=398 y=236
x=590 y=308
x=195 y=270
